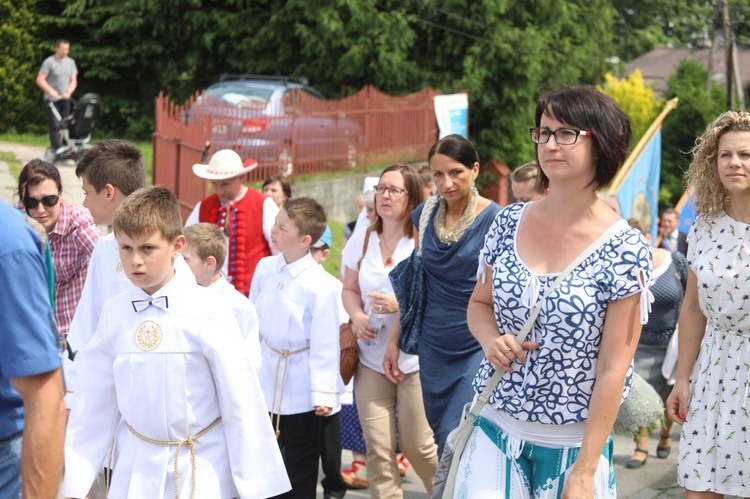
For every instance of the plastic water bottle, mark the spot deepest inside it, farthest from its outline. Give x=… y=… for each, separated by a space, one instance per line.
x=377 y=321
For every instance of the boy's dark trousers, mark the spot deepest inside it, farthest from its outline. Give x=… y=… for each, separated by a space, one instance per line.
x=330 y=457
x=299 y=441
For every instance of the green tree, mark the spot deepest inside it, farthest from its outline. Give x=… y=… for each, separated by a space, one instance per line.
x=505 y=53
x=683 y=125
x=646 y=24
x=21 y=107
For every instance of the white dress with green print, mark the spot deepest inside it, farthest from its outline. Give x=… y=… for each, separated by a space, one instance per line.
x=714 y=450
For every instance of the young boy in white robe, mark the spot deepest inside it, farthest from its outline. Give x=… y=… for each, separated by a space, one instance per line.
x=205 y=250
x=298 y=310
x=168 y=360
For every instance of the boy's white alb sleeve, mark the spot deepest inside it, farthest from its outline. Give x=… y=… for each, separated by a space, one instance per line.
x=84 y=322
x=252 y=334
x=324 y=345
x=257 y=467
x=94 y=416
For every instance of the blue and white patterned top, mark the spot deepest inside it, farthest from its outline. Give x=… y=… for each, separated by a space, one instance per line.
x=555 y=385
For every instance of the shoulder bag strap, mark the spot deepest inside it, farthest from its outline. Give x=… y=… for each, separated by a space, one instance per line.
x=495 y=379
x=364 y=246
x=424 y=219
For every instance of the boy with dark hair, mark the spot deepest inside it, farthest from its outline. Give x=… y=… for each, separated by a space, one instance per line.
x=110 y=171
x=168 y=360
x=114 y=166
x=298 y=311
x=204 y=252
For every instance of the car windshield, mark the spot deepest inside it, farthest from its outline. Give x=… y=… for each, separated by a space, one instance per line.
x=242 y=96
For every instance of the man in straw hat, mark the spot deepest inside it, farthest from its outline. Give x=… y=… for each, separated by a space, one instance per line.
x=245 y=215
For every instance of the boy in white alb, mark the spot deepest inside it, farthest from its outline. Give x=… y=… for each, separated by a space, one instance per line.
x=168 y=360
x=204 y=253
x=298 y=310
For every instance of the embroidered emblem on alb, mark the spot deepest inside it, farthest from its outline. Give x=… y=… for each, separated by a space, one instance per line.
x=148 y=335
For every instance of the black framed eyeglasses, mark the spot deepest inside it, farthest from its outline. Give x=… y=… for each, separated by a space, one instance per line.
x=49 y=201
x=563 y=136
x=394 y=192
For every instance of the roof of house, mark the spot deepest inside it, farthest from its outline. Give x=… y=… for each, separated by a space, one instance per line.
x=658 y=64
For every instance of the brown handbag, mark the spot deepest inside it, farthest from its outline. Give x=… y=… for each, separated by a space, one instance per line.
x=349 y=352
x=347 y=339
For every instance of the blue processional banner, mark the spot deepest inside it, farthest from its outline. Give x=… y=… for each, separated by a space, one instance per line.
x=638 y=195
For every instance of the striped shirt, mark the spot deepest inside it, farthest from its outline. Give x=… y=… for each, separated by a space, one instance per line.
x=71 y=243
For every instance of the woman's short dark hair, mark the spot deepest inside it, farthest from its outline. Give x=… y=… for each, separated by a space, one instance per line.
x=283 y=182
x=456 y=148
x=35 y=172
x=587 y=108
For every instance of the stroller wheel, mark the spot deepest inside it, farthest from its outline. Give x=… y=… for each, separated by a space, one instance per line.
x=49 y=155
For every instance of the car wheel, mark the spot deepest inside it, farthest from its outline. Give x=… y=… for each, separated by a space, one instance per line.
x=351 y=154
x=285 y=162
x=49 y=155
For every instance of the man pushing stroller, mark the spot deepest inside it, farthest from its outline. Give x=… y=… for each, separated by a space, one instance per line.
x=58 y=77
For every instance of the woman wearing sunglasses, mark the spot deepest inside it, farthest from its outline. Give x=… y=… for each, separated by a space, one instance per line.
x=70 y=229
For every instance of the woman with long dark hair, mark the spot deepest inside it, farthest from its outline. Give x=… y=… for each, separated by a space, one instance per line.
x=458 y=221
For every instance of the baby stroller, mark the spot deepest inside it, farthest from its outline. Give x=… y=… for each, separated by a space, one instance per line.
x=76 y=129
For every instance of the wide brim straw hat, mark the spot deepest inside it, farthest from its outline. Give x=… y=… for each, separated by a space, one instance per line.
x=224 y=164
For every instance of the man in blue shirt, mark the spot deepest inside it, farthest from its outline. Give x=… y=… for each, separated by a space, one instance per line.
x=32 y=412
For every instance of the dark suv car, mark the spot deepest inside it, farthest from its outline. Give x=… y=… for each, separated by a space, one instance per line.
x=282 y=122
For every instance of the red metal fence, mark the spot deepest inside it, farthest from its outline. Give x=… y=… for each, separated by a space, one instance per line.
x=298 y=134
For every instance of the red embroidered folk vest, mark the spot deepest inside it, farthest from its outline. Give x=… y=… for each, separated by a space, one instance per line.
x=243 y=226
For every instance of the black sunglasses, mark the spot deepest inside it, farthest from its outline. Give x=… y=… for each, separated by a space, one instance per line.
x=48 y=201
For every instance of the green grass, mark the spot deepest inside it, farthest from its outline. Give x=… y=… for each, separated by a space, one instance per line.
x=146 y=147
x=14 y=165
x=25 y=138
x=333 y=261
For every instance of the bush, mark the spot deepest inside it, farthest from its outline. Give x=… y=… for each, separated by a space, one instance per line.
x=21 y=107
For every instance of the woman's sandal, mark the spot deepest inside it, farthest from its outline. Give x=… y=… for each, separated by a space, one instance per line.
x=662 y=452
x=356 y=476
x=403 y=464
x=636 y=463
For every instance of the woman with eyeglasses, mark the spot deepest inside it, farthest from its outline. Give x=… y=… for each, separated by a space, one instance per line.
x=70 y=230
x=545 y=431
x=453 y=237
x=368 y=297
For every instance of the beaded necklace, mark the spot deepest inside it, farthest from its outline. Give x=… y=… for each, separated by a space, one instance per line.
x=467 y=218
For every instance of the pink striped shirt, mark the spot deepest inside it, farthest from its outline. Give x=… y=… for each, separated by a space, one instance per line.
x=71 y=243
